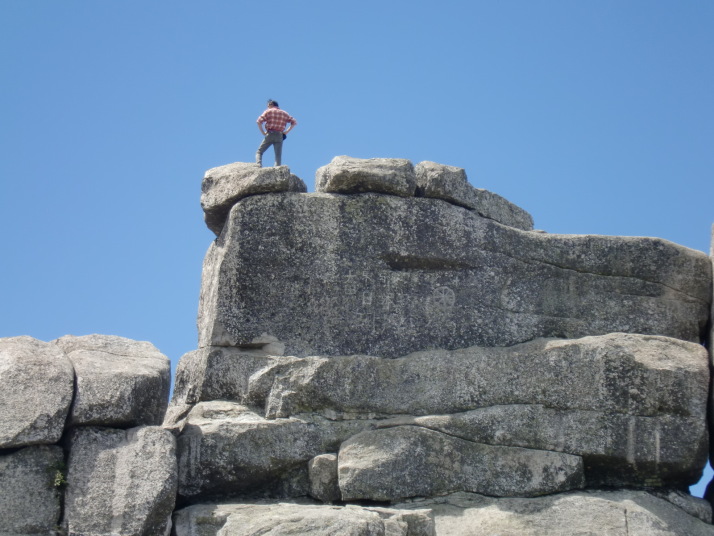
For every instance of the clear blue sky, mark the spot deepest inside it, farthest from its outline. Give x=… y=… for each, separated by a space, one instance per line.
x=596 y=117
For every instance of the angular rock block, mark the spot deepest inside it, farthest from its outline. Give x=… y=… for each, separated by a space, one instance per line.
x=611 y=513
x=224 y=186
x=226 y=448
x=219 y=372
x=120 y=382
x=30 y=484
x=38 y=385
x=347 y=175
x=408 y=461
x=121 y=481
x=385 y=275
x=324 y=485
x=617 y=449
x=450 y=184
x=283 y=519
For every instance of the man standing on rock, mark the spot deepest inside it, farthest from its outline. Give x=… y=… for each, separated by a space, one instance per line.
x=275 y=121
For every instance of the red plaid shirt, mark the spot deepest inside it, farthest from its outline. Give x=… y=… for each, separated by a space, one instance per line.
x=276 y=119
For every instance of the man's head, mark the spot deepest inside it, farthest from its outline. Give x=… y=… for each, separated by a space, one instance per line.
x=272 y=103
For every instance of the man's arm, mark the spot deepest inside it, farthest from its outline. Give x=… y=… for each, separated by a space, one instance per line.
x=262 y=119
x=292 y=125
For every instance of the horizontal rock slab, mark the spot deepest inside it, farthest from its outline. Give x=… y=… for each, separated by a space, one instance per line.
x=228 y=449
x=409 y=461
x=31 y=480
x=450 y=184
x=120 y=382
x=224 y=186
x=121 y=481
x=385 y=275
x=347 y=175
x=605 y=513
x=618 y=450
x=277 y=519
x=622 y=373
x=37 y=389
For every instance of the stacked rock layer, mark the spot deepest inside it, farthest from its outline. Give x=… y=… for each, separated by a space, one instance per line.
x=402 y=340
x=398 y=353
x=83 y=451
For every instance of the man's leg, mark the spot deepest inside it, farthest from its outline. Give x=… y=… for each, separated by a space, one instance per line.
x=263 y=147
x=278 y=148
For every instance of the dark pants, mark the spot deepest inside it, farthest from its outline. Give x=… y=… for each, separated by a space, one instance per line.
x=275 y=139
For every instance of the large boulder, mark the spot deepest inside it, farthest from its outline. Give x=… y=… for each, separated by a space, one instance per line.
x=450 y=184
x=386 y=275
x=224 y=186
x=228 y=449
x=121 y=481
x=31 y=480
x=610 y=513
x=347 y=175
x=121 y=383
x=37 y=388
x=283 y=519
x=409 y=461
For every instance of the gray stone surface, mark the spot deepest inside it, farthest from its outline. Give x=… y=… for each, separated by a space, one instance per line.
x=711 y=357
x=283 y=519
x=623 y=373
x=29 y=491
x=585 y=513
x=409 y=461
x=236 y=374
x=347 y=175
x=694 y=506
x=228 y=449
x=633 y=406
x=322 y=471
x=450 y=184
x=37 y=388
x=617 y=449
x=121 y=481
x=120 y=382
x=224 y=186
x=385 y=275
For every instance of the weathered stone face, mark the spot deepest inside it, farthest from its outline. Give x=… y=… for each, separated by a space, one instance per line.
x=632 y=406
x=347 y=175
x=120 y=382
x=450 y=184
x=283 y=519
x=224 y=186
x=121 y=481
x=30 y=490
x=619 y=373
x=410 y=461
x=226 y=448
x=606 y=513
x=37 y=388
x=384 y=275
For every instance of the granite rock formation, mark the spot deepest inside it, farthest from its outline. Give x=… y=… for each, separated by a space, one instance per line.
x=398 y=353
x=399 y=336
x=59 y=475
